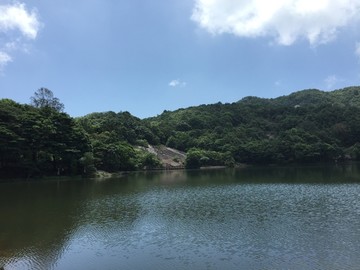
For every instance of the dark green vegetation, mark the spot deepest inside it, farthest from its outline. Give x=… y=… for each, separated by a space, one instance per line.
x=118 y=141
x=38 y=141
x=306 y=126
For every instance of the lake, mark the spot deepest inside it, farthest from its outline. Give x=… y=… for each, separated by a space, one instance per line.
x=253 y=218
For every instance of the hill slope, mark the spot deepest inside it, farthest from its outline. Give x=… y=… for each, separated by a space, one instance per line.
x=306 y=126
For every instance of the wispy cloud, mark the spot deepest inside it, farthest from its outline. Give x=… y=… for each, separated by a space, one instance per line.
x=177 y=83
x=357 y=49
x=331 y=81
x=284 y=20
x=17 y=25
x=4 y=59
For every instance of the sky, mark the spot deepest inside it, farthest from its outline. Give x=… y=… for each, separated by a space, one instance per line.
x=149 y=56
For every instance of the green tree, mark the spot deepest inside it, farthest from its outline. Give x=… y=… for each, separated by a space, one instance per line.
x=149 y=161
x=193 y=158
x=44 y=98
x=88 y=162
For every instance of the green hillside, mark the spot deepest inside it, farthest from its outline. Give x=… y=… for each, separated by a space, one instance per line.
x=305 y=126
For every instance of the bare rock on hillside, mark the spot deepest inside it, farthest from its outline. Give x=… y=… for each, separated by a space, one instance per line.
x=169 y=157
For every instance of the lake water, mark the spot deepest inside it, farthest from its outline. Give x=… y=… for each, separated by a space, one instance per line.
x=252 y=218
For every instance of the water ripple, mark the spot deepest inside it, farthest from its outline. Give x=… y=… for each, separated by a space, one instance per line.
x=144 y=224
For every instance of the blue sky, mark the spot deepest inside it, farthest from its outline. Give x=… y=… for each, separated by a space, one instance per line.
x=148 y=56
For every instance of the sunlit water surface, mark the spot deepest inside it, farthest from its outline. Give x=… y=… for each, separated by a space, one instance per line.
x=254 y=218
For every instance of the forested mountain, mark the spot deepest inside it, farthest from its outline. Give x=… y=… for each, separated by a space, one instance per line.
x=306 y=126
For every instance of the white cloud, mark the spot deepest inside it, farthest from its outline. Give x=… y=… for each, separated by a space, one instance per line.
x=177 y=83
x=278 y=83
x=357 y=49
x=16 y=17
x=318 y=21
x=4 y=59
x=331 y=81
x=16 y=23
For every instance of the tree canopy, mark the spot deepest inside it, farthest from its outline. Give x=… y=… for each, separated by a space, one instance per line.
x=306 y=126
x=44 y=98
x=36 y=142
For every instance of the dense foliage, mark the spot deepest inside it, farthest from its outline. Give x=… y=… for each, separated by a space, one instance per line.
x=306 y=126
x=118 y=140
x=37 y=141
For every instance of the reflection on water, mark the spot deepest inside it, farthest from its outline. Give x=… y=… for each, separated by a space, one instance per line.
x=253 y=218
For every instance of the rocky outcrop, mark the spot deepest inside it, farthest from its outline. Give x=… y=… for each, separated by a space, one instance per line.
x=169 y=157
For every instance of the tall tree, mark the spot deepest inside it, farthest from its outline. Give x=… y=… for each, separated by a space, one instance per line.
x=44 y=98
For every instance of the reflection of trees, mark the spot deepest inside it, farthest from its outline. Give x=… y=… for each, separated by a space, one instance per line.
x=331 y=173
x=39 y=219
x=169 y=177
x=322 y=173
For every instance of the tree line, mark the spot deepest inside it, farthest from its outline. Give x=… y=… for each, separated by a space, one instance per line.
x=307 y=126
x=40 y=139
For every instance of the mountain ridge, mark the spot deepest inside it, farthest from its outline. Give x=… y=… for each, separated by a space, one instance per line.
x=303 y=127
